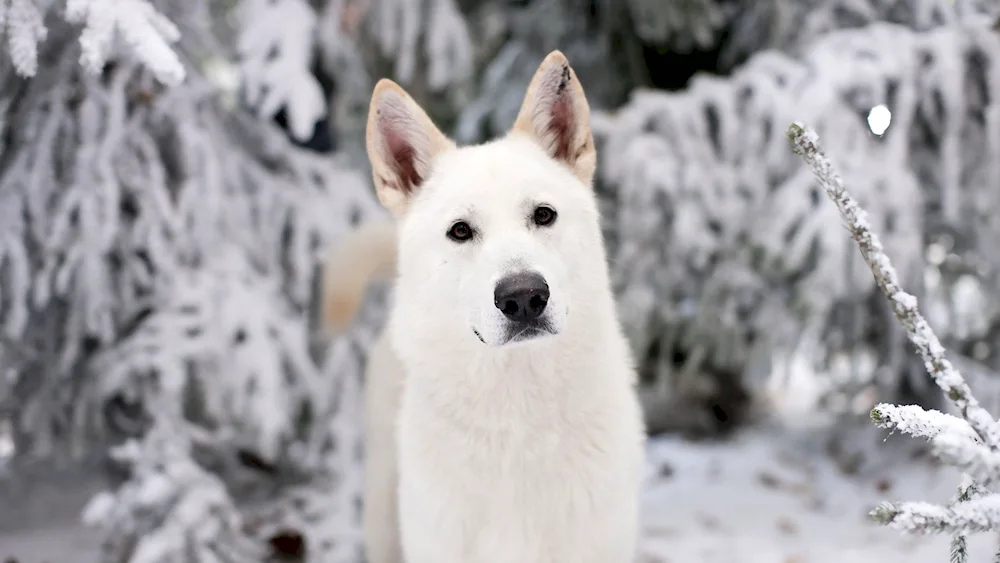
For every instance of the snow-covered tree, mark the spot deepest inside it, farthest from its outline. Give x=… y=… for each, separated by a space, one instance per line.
x=727 y=264
x=158 y=258
x=159 y=234
x=762 y=48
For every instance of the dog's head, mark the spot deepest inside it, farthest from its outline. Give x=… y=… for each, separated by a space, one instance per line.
x=499 y=241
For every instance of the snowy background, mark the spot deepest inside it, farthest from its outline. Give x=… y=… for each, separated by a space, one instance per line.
x=173 y=173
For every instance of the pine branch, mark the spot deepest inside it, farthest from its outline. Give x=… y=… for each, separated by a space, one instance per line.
x=805 y=143
x=953 y=440
x=969 y=443
x=973 y=458
x=978 y=515
x=967 y=491
x=959 y=549
x=920 y=423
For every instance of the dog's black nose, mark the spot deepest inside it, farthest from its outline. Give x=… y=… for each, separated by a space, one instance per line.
x=521 y=297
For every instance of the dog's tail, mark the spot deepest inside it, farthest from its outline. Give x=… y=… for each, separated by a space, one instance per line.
x=364 y=255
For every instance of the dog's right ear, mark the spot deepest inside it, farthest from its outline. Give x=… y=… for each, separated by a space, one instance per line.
x=402 y=142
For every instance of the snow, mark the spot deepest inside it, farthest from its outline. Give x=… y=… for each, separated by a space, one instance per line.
x=58 y=543
x=146 y=31
x=25 y=30
x=761 y=497
x=757 y=500
x=879 y=119
x=275 y=46
x=917 y=422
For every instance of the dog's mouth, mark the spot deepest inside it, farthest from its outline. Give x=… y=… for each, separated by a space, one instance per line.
x=526 y=333
x=521 y=332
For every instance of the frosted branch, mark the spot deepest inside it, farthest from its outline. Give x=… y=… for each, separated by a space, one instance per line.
x=191 y=508
x=953 y=440
x=967 y=491
x=977 y=515
x=25 y=30
x=144 y=29
x=275 y=46
x=805 y=143
x=920 y=423
x=969 y=444
x=972 y=457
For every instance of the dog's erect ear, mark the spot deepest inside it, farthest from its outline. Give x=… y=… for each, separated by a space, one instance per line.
x=556 y=115
x=402 y=142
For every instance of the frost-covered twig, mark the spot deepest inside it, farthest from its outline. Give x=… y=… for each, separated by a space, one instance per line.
x=805 y=143
x=970 y=444
x=967 y=491
x=953 y=439
x=979 y=515
x=980 y=462
x=920 y=423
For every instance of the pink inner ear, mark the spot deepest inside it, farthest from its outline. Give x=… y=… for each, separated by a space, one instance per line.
x=562 y=126
x=561 y=123
x=403 y=157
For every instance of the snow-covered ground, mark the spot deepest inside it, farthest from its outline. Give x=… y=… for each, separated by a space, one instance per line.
x=39 y=517
x=757 y=498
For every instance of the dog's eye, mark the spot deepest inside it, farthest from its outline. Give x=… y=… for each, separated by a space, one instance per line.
x=544 y=216
x=460 y=232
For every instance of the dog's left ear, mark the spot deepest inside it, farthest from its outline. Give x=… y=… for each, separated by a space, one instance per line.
x=556 y=115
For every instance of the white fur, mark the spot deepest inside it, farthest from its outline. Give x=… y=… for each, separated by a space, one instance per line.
x=524 y=453
x=383 y=387
x=365 y=255
x=507 y=452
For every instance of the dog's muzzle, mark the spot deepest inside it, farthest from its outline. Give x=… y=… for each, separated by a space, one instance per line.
x=522 y=298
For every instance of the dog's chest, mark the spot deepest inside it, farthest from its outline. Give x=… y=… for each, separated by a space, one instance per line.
x=522 y=432
x=524 y=486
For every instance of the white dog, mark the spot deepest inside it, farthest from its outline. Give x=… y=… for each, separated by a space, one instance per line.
x=520 y=436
